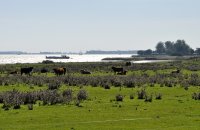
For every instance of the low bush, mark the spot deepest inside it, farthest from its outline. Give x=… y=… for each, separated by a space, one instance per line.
x=54 y=85
x=30 y=106
x=159 y=96
x=82 y=95
x=196 y=96
x=148 y=98
x=141 y=94
x=129 y=84
x=67 y=95
x=47 y=62
x=1 y=98
x=119 y=97
x=131 y=96
x=106 y=86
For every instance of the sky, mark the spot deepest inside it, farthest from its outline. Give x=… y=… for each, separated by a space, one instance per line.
x=81 y=25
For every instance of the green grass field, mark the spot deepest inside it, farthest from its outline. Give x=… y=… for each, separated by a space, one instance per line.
x=175 y=111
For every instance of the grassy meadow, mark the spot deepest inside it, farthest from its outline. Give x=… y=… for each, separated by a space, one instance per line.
x=167 y=104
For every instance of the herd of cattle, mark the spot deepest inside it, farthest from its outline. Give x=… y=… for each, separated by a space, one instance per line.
x=62 y=71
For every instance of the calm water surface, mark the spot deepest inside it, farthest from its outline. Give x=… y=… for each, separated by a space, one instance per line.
x=12 y=59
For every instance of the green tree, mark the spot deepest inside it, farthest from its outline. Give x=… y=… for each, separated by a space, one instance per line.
x=145 y=52
x=197 y=51
x=140 y=52
x=169 y=47
x=148 y=52
x=181 y=48
x=160 y=48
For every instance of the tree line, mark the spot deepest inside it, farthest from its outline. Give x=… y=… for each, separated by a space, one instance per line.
x=178 y=48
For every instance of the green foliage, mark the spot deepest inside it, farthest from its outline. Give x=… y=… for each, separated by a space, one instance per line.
x=67 y=95
x=196 y=96
x=119 y=97
x=142 y=94
x=159 y=96
x=145 y=52
x=82 y=95
x=30 y=106
x=160 y=48
x=100 y=110
x=179 y=48
x=47 y=62
x=197 y=51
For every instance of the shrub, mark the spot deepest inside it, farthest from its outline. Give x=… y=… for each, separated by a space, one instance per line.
x=129 y=84
x=148 y=98
x=77 y=103
x=30 y=106
x=106 y=86
x=47 y=62
x=50 y=97
x=131 y=96
x=119 y=97
x=5 y=107
x=30 y=97
x=141 y=94
x=1 y=98
x=16 y=106
x=196 y=96
x=82 y=95
x=116 y=83
x=67 y=95
x=53 y=86
x=12 y=98
x=185 y=85
x=168 y=83
x=94 y=83
x=159 y=96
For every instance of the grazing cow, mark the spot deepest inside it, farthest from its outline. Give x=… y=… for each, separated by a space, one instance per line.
x=59 y=71
x=13 y=72
x=85 y=72
x=122 y=73
x=175 y=71
x=128 y=63
x=44 y=70
x=26 y=70
x=117 y=69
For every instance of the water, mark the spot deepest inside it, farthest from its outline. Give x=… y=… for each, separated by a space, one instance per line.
x=150 y=61
x=12 y=59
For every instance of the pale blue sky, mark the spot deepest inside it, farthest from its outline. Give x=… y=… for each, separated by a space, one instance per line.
x=79 y=25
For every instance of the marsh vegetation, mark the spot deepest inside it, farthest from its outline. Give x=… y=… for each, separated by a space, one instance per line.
x=152 y=95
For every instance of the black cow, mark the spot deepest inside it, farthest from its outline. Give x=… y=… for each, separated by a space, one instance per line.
x=26 y=70
x=117 y=69
x=85 y=72
x=122 y=73
x=13 y=72
x=44 y=70
x=59 y=71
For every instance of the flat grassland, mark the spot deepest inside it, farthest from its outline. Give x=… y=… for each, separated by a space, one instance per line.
x=176 y=110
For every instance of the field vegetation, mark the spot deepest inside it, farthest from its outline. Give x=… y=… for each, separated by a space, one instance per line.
x=151 y=96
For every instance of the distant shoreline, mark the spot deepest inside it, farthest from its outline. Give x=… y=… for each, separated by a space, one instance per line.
x=157 y=57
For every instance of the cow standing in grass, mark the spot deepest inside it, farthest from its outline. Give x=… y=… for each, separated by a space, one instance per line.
x=85 y=72
x=122 y=73
x=44 y=70
x=13 y=72
x=59 y=71
x=26 y=70
x=117 y=69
